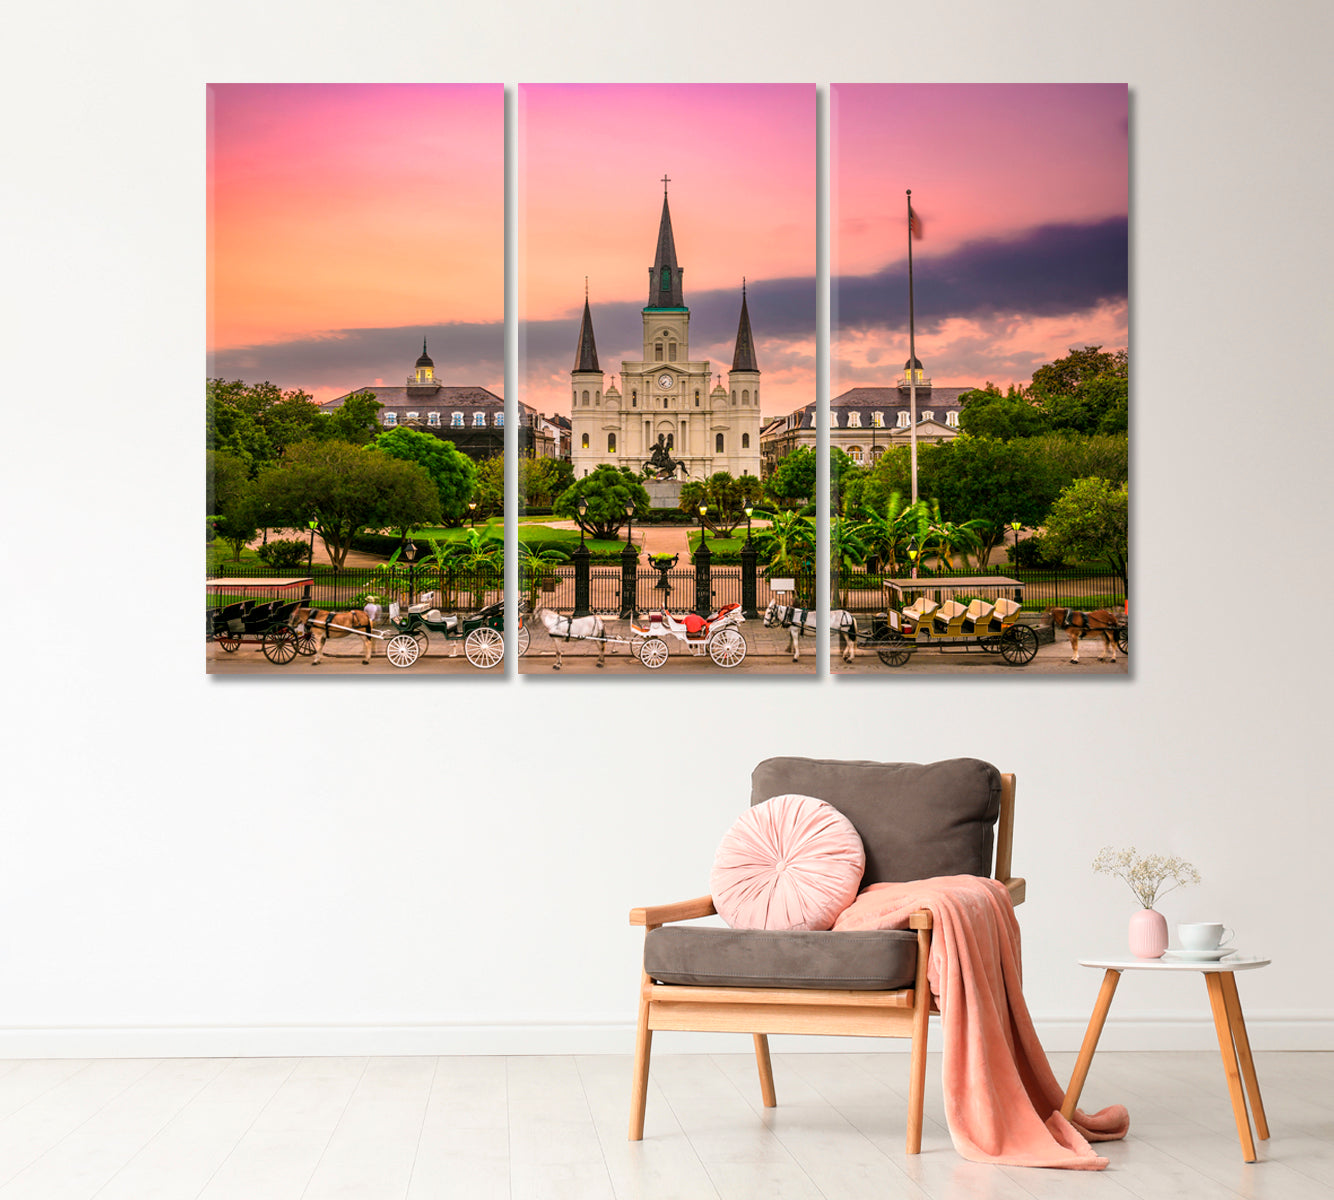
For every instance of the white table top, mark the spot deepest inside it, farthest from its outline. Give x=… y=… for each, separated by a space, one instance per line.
x=1128 y=962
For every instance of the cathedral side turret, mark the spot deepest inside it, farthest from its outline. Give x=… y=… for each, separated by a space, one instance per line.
x=666 y=391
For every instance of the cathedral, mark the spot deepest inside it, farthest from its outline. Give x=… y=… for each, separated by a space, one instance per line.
x=667 y=394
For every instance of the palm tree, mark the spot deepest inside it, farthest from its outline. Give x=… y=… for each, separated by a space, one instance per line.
x=534 y=569
x=788 y=547
x=846 y=550
x=481 y=554
x=889 y=535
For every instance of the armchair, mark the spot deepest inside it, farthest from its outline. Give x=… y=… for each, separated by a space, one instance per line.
x=915 y=822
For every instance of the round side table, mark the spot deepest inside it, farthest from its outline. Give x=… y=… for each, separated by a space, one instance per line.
x=1233 y=1044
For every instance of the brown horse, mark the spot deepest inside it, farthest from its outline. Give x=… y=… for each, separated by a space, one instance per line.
x=320 y=623
x=1078 y=625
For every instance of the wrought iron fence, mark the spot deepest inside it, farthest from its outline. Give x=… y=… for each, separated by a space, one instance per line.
x=675 y=589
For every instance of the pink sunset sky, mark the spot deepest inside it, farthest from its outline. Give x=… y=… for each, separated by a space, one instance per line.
x=742 y=164
x=346 y=222
x=1022 y=192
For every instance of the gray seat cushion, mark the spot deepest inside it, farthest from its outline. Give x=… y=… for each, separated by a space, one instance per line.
x=916 y=821
x=709 y=956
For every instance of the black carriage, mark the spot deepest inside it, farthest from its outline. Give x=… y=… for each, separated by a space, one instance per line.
x=257 y=622
x=985 y=626
x=483 y=633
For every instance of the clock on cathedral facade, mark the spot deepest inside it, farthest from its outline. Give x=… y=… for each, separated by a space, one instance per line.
x=708 y=427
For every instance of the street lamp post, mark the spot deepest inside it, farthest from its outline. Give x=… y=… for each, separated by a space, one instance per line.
x=749 y=609
x=703 y=576
x=472 y=514
x=310 y=553
x=581 y=572
x=629 y=568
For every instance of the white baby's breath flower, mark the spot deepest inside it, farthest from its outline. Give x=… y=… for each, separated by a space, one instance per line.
x=1146 y=874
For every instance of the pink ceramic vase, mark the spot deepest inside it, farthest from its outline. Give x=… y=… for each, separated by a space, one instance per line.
x=1148 y=934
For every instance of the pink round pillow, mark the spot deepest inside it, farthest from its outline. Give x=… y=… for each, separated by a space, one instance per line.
x=793 y=862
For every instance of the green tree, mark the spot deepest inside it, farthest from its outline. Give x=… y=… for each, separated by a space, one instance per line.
x=726 y=496
x=607 y=490
x=847 y=482
x=356 y=420
x=987 y=413
x=787 y=546
x=793 y=482
x=230 y=504
x=346 y=490
x=1090 y=521
x=541 y=480
x=1061 y=458
x=451 y=471
x=481 y=554
x=258 y=422
x=489 y=488
x=1077 y=368
x=888 y=531
x=846 y=550
x=981 y=479
x=1086 y=392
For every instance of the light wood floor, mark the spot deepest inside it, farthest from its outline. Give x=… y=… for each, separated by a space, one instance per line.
x=529 y=1127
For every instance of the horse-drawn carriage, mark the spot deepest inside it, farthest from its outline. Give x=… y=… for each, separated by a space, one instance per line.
x=250 y=621
x=482 y=634
x=716 y=635
x=988 y=626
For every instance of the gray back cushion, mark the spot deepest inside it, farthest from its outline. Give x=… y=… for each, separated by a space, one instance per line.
x=916 y=820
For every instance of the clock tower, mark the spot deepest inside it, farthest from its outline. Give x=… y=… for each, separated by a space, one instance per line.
x=666 y=392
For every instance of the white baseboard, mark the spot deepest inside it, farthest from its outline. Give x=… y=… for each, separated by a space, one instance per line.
x=1164 y=1031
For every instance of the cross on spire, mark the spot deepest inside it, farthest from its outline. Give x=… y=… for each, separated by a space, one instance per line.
x=665 y=182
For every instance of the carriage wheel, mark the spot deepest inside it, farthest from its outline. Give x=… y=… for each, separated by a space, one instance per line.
x=279 y=646
x=1123 y=639
x=1018 y=645
x=523 y=639
x=403 y=650
x=728 y=648
x=229 y=643
x=895 y=652
x=422 y=640
x=484 y=647
x=653 y=653
x=305 y=643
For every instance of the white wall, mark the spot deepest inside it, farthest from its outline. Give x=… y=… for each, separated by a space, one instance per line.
x=193 y=865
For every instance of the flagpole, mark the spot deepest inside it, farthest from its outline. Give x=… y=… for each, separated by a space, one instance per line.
x=912 y=358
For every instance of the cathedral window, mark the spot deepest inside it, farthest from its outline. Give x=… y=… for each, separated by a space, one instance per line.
x=456 y=420
x=745 y=441
x=718 y=444
x=657 y=352
x=478 y=420
x=671 y=441
x=391 y=418
x=433 y=418
x=611 y=443
x=745 y=396
x=585 y=397
x=666 y=285
x=664 y=402
x=697 y=397
x=671 y=351
x=634 y=400
x=584 y=446
x=734 y=396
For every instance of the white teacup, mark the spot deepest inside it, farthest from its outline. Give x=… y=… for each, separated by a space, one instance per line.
x=1203 y=935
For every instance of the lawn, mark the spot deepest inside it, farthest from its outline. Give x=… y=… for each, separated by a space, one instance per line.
x=543 y=537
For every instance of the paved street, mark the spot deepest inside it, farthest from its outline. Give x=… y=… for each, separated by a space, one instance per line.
x=1053 y=658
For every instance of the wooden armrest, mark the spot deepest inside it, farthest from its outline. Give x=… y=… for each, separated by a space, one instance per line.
x=664 y=914
x=920 y=919
x=1017 y=888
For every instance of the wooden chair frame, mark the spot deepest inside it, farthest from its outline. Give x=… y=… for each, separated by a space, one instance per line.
x=903 y=1013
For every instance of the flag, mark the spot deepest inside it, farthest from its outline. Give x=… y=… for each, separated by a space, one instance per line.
x=914 y=223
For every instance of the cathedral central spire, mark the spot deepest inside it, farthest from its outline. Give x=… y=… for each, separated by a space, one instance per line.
x=586 y=351
x=664 y=276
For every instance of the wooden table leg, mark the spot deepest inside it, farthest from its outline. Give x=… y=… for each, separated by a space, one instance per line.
x=1243 y=1043
x=1091 y=1036
x=1226 y=1047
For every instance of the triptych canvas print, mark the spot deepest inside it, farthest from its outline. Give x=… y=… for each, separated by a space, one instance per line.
x=691 y=498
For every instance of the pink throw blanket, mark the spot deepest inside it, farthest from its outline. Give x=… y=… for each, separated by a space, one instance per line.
x=1002 y=1101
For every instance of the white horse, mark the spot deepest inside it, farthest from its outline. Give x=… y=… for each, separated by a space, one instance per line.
x=799 y=621
x=563 y=629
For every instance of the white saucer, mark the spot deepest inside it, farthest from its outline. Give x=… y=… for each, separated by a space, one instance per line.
x=1200 y=955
